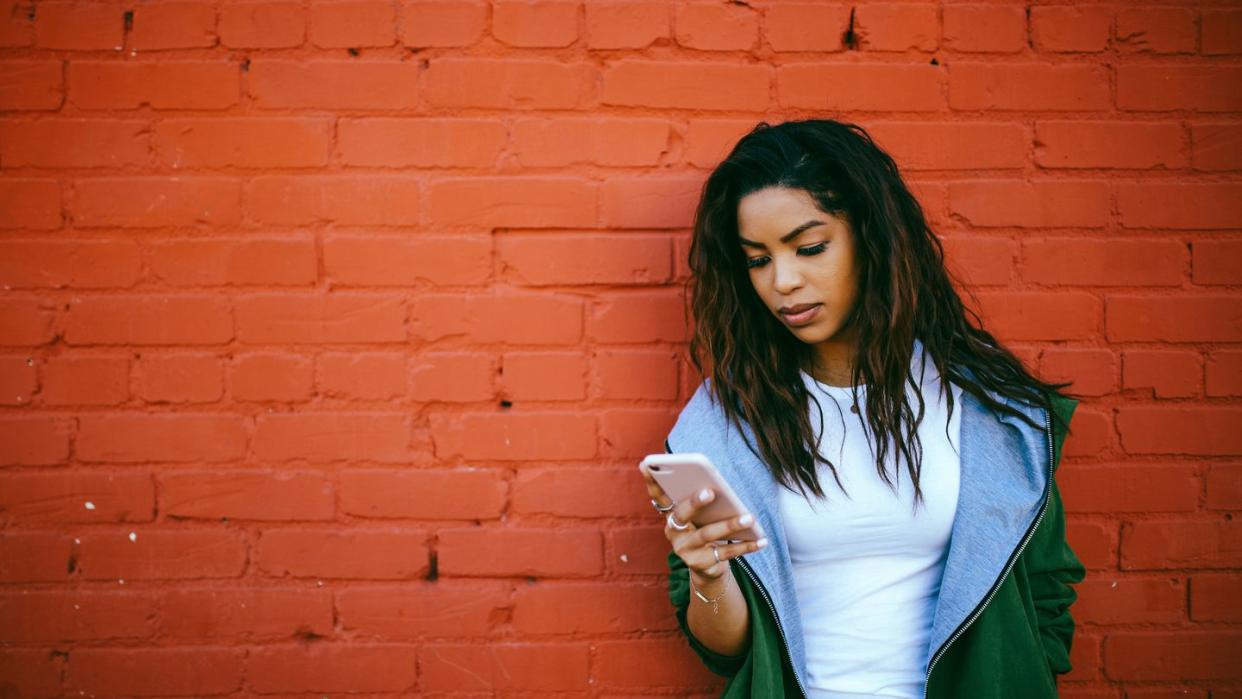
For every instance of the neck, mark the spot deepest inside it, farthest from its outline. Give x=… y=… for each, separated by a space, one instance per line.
x=832 y=361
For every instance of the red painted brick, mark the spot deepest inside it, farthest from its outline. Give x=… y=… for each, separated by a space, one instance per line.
x=452 y=377
x=145 y=671
x=1093 y=544
x=512 y=202
x=1134 y=488
x=82 y=264
x=985 y=28
x=245 y=143
x=154 y=554
x=432 y=23
x=16 y=24
x=855 y=86
x=148 y=320
x=80 y=26
x=948 y=146
x=237 y=495
x=897 y=27
x=355 y=554
x=636 y=374
x=1068 y=28
x=33 y=672
x=544 y=376
x=1222 y=31
x=1028 y=86
x=50 y=497
x=1175 y=318
x=316 y=437
x=1153 y=544
x=32 y=85
x=1169 y=373
x=256 y=24
x=50 y=616
x=320 y=319
x=388 y=142
x=514 y=436
x=1064 y=315
x=1214 y=597
x=1095 y=144
x=331 y=667
x=30 y=203
x=262 y=376
x=180 y=378
x=664 y=663
x=173 y=25
x=981 y=261
x=535 y=23
x=625 y=24
x=1026 y=204
x=1156 y=30
x=1158 y=88
x=650 y=202
x=367 y=200
x=163 y=84
x=1124 y=600
x=634 y=433
x=505 y=667
x=1104 y=262
x=1224 y=373
x=590 y=608
x=67 y=143
x=502 y=552
x=142 y=437
x=362 y=376
x=610 y=142
x=287 y=261
x=1093 y=433
x=352 y=23
x=515 y=84
x=85 y=380
x=1216 y=261
x=1215 y=146
x=36 y=556
x=580 y=492
x=18 y=380
x=1093 y=372
x=333 y=84
x=454 y=609
x=1180 y=430
x=1224 y=487
x=542 y=259
x=424 y=493
x=25 y=321
x=1172 y=655
x=681 y=85
x=518 y=318
x=805 y=26
x=715 y=27
x=155 y=202
x=227 y=613
x=639 y=317
x=406 y=261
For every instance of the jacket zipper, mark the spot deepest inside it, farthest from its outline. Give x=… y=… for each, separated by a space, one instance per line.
x=780 y=629
x=1013 y=559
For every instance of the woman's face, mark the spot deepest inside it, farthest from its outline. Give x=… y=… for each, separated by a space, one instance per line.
x=801 y=261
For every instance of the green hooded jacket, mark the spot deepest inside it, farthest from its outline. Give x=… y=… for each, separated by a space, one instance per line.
x=1012 y=645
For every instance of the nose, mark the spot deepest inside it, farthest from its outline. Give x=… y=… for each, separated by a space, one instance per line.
x=787 y=276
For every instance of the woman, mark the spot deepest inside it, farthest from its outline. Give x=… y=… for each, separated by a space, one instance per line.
x=898 y=457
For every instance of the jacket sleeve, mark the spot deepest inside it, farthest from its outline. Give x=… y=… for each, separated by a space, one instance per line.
x=1052 y=568
x=679 y=595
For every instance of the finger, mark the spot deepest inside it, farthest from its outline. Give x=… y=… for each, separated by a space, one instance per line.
x=724 y=528
x=656 y=492
x=686 y=509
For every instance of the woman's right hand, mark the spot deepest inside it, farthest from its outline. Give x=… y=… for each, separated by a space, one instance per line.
x=694 y=544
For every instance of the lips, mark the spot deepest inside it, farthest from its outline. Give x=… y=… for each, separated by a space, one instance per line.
x=794 y=310
x=801 y=314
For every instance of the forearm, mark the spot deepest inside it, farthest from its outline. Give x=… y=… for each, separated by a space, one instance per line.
x=727 y=630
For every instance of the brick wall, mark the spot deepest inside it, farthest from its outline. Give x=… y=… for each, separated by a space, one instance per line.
x=331 y=331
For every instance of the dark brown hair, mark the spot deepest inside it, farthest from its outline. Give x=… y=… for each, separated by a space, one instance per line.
x=905 y=293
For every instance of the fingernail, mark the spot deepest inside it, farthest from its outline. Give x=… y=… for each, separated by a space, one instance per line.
x=705 y=495
x=761 y=543
x=745 y=519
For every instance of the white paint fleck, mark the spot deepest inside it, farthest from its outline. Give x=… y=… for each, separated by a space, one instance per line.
x=90 y=505
x=625 y=558
x=121 y=581
x=77 y=541
x=133 y=536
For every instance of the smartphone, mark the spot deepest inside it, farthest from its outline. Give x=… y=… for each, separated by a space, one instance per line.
x=685 y=474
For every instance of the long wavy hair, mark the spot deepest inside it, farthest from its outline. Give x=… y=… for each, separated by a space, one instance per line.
x=905 y=293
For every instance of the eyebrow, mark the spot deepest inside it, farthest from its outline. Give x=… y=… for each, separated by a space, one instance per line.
x=785 y=238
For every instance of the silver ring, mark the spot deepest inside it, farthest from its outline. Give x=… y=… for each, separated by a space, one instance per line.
x=662 y=510
x=672 y=522
x=716 y=553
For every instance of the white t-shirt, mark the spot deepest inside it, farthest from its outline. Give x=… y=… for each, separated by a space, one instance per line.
x=867 y=568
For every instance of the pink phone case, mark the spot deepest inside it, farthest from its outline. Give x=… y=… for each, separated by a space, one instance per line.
x=682 y=475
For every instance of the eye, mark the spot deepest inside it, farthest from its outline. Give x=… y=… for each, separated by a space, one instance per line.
x=812 y=249
x=755 y=262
